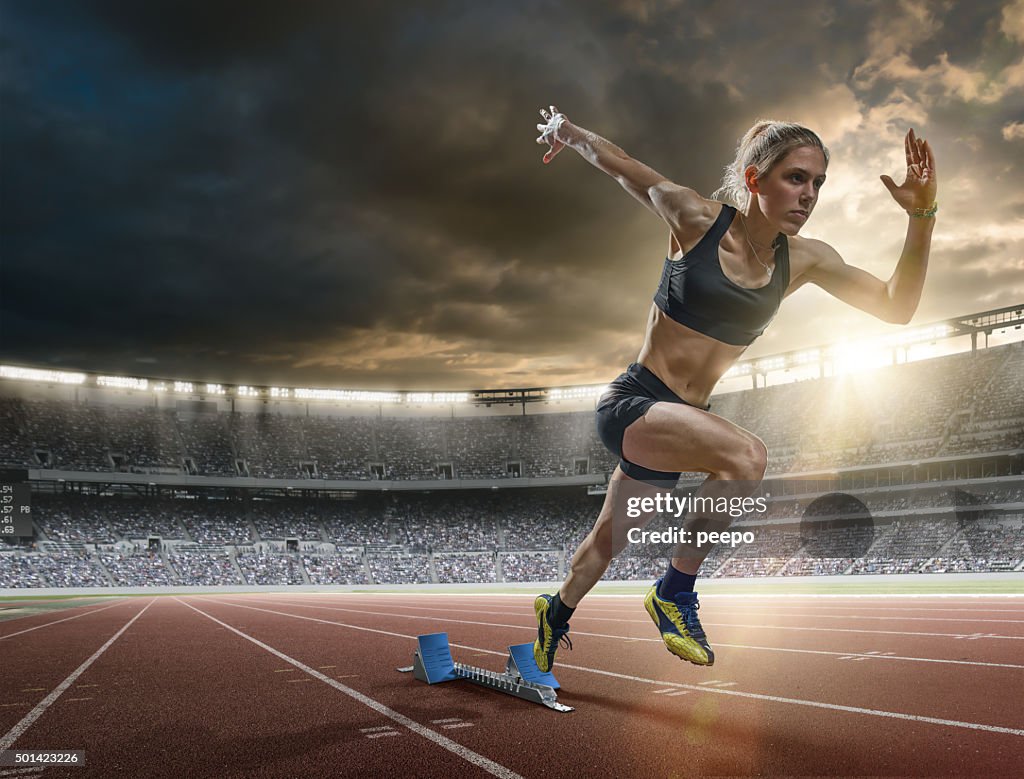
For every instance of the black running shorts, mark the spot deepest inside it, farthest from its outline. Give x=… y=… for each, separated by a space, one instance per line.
x=626 y=400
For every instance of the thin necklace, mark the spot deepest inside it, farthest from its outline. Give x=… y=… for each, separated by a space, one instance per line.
x=767 y=270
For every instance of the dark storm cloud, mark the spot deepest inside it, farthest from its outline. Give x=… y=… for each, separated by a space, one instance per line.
x=302 y=193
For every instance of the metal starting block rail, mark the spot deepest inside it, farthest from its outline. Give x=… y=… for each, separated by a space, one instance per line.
x=432 y=663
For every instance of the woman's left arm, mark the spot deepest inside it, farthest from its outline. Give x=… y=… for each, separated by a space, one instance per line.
x=894 y=300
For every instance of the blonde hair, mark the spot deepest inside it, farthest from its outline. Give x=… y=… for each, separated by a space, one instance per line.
x=764 y=146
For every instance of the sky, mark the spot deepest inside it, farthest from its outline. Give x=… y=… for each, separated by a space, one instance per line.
x=351 y=195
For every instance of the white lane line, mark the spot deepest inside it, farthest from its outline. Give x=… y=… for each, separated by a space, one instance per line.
x=619 y=604
x=57 y=621
x=455 y=748
x=442 y=721
x=15 y=733
x=23 y=771
x=677 y=685
x=974 y=636
x=376 y=730
x=867 y=616
x=776 y=610
x=864 y=655
x=383 y=735
x=833 y=616
x=458 y=725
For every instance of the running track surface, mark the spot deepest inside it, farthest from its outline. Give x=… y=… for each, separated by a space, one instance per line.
x=274 y=685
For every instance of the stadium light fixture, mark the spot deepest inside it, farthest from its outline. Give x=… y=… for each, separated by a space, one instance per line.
x=437 y=397
x=34 y=374
x=122 y=382
x=345 y=396
x=577 y=393
x=216 y=389
x=740 y=369
x=184 y=386
x=771 y=364
x=919 y=335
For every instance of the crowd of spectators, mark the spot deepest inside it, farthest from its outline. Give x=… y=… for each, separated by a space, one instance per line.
x=204 y=567
x=403 y=568
x=905 y=545
x=957 y=404
x=335 y=569
x=284 y=519
x=465 y=568
x=484 y=536
x=529 y=566
x=137 y=568
x=270 y=568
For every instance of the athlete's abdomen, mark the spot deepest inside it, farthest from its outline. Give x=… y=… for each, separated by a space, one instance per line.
x=690 y=363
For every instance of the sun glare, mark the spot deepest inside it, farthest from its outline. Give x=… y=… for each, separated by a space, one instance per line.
x=859 y=357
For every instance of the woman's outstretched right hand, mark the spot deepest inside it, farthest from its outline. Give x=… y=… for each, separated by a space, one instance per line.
x=549 y=132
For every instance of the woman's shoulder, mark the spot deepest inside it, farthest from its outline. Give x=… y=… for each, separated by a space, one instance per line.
x=695 y=221
x=805 y=254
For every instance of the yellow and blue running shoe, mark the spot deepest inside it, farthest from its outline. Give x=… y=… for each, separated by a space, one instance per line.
x=680 y=628
x=548 y=637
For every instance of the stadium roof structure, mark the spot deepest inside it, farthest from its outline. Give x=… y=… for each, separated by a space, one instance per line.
x=829 y=357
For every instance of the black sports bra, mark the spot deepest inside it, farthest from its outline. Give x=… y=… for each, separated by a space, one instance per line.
x=695 y=292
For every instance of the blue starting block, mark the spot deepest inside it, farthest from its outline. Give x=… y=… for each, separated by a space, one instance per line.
x=433 y=663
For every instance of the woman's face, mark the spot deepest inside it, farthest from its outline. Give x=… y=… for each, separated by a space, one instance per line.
x=789 y=191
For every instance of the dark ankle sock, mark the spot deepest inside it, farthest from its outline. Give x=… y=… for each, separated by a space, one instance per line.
x=675 y=582
x=559 y=613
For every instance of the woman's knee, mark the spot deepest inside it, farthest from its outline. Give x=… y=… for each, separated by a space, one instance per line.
x=748 y=461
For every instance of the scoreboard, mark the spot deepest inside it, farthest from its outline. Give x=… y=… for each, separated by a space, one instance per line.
x=15 y=506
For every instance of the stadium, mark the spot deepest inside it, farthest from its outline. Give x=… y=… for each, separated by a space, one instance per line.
x=341 y=372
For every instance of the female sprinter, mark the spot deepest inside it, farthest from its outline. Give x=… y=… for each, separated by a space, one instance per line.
x=727 y=271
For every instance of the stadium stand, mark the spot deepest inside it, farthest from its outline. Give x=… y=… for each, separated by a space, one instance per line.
x=961 y=413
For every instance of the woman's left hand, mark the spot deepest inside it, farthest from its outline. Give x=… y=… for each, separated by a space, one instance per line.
x=920 y=187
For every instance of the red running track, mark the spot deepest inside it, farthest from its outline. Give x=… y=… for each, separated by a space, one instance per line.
x=305 y=685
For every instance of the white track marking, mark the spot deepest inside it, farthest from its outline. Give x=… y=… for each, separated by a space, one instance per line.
x=716 y=600
x=57 y=621
x=23 y=771
x=647 y=621
x=726 y=614
x=455 y=748
x=15 y=733
x=677 y=685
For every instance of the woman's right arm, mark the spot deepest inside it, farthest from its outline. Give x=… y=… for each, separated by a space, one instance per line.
x=679 y=206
